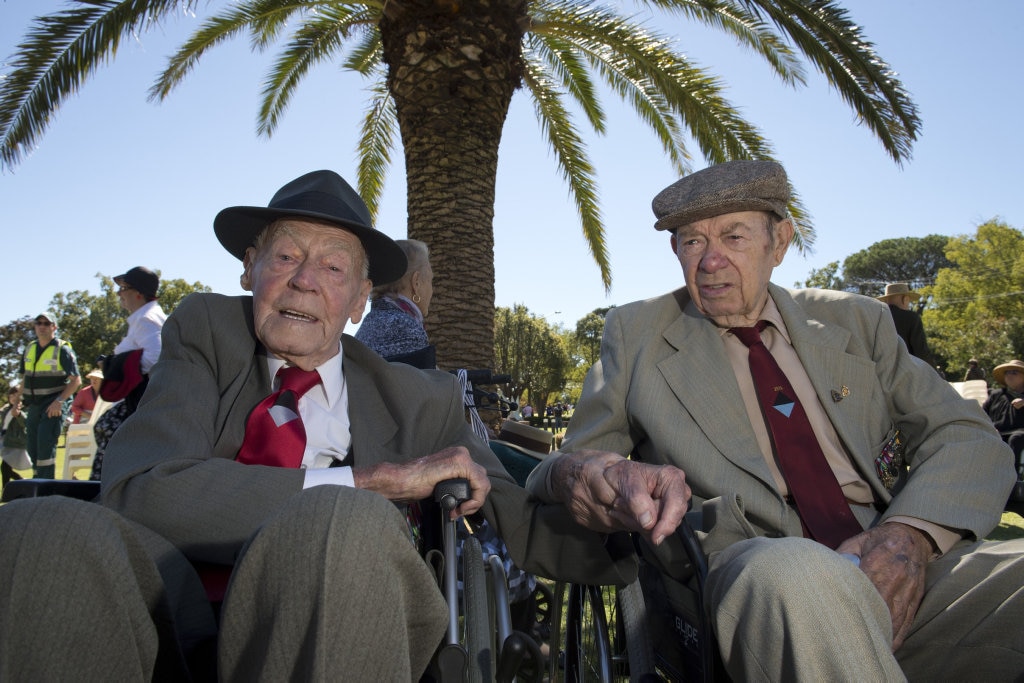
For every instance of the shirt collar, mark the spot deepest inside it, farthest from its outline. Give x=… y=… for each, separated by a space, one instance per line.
x=141 y=311
x=770 y=312
x=331 y=378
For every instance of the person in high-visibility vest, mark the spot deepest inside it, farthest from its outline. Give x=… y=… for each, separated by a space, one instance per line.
x=49 y=372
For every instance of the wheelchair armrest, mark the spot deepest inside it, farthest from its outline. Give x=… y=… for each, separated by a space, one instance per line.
x=32 y=488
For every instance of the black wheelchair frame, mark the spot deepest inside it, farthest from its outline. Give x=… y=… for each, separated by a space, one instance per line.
x=634 y=633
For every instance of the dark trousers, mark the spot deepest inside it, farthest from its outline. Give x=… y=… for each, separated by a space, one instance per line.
x=43 y=433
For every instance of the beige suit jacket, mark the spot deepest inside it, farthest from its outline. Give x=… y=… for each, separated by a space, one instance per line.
x=171 y=466
x=663 y=390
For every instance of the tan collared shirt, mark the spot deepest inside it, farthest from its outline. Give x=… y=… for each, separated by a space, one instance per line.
x=776 y=338
x=855 y=488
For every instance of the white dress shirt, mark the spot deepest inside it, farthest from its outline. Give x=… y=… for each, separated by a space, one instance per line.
x=144 y=327
x=324 y=412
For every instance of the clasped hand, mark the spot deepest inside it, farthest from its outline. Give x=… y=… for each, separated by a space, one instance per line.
x=606 y=492
x=415 y=480
x=894 y=556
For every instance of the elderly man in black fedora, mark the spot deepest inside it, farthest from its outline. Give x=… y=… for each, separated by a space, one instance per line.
x=271 y=445
x=790 y=418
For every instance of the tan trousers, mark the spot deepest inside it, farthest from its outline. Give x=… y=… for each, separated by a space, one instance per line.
x=790 y=609
x=331 y=588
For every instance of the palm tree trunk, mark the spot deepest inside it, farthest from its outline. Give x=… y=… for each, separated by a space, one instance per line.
x=452 y=69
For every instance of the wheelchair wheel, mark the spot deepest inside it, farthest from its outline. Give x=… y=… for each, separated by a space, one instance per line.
x=607 y=637
x=588 y=656
x=476 y=614
x=632 y=652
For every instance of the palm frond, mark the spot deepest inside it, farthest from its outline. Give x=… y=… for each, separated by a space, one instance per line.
x=318 y=39
x=263 y=18
x=376 y=142
x=556 y=124
x=565 y=66
x=59 y=53
x=366 y=55
x=731 y=17
x=667 y=91
x=838 y=48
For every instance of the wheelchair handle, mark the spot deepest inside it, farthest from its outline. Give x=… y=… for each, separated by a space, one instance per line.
x=451 y=493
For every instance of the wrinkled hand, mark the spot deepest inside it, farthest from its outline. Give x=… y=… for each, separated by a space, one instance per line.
x=606 y=492
x=894 y=556
x=415 y=480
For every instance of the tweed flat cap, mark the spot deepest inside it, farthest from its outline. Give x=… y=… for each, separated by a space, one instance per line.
x=724 y=188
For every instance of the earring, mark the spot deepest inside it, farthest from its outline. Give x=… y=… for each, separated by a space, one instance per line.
x=416 y=298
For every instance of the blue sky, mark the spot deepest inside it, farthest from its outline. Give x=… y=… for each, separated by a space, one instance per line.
x=117 y=181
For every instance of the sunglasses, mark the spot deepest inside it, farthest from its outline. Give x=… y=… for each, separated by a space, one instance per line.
x=44 y=323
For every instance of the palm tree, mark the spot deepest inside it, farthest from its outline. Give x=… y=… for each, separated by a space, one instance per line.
x=444 y=73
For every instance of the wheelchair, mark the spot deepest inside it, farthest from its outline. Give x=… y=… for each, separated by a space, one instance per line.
x=654 y=629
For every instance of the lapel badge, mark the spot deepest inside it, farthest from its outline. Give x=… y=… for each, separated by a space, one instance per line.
x=843 y=392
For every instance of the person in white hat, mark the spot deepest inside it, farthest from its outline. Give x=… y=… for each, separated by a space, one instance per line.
x=85 y=398
x=1005 y=406
x=908 y=323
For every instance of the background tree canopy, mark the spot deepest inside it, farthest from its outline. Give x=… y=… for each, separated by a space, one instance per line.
x=532 y=352
x=914 y=260
x=972 y=288
x=93 y=324
x=977 y=307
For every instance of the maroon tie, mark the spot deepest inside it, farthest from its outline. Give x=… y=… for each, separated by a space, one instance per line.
x=823 y=510
x=274 y=434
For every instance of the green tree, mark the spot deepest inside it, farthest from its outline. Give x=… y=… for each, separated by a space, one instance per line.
x=589 y=331
x=914 y=260
x=531 y=351
x=824 y=278
x=13 y=338
x=443 y=73
x=978 y=303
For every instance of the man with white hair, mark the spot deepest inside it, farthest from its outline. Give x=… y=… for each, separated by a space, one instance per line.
x=271 y=446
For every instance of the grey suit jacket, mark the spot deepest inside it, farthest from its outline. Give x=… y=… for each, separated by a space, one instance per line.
x=171 y=466
x=663 y=390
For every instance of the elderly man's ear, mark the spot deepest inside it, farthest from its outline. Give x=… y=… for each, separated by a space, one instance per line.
x=783 y=237
x=245 y=279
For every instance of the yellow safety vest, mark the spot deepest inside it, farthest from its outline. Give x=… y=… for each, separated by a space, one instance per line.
x=44 y=375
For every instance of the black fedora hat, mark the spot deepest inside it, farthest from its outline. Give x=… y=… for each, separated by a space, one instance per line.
x=325 y=196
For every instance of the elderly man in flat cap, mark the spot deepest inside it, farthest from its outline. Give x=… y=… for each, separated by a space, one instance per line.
x=269 y=441
x=792 y=416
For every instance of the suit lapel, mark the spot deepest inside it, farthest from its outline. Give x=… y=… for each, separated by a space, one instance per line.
x=699 y=376
x=821 y=347
x=373 y=426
